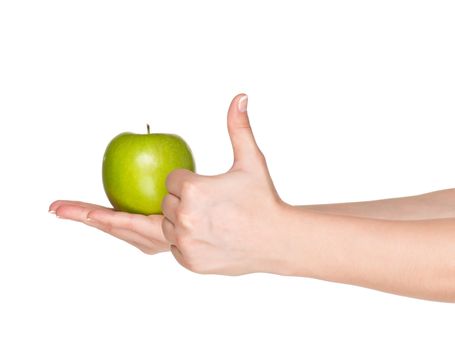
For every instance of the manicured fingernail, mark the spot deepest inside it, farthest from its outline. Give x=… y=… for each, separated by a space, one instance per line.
x=243 y=103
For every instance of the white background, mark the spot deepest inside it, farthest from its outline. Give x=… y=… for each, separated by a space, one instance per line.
x=349 y=100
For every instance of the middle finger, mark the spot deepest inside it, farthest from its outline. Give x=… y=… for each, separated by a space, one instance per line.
x=169 y=207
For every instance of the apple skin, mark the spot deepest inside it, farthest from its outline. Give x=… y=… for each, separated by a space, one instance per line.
x=135 y=168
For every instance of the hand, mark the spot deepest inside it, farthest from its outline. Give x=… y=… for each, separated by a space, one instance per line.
x=143 y=232
x=230 y=223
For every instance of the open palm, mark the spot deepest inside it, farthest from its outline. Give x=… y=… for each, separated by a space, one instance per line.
x=143 y=232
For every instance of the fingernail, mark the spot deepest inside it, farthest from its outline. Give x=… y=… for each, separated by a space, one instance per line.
x=90 y=220
x=243 y=103
x=51 y=211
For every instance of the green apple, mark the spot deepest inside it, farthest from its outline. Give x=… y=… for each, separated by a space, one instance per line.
x=135 y=167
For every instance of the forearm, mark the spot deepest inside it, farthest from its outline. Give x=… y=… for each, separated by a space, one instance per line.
x=432 y=205
x=413 y=258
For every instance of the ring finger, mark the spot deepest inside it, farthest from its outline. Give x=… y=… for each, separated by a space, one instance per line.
x=169 y=206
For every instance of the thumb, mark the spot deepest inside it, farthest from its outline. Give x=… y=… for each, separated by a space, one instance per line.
x=246 y=151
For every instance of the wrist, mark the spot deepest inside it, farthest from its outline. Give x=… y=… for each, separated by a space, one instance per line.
x=280 y=255
x=306 y=242
x=296 y=221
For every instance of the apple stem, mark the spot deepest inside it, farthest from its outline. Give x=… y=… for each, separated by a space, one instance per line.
x=148 y=129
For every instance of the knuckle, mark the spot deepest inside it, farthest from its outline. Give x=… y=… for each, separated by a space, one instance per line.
x=188 y=189
x=185 y=219
x=260 y=155
x=170 y=177
x=180 y=215
x=184 y=241
x=242 y=123
x=174 y=175
x=165 y=202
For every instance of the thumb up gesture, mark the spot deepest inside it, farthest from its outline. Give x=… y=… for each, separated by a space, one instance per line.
x=226 y=224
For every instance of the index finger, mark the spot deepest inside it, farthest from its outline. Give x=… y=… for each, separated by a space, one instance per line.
x=176 y=179
x=58 y=203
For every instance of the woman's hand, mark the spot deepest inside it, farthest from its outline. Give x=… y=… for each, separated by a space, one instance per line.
x=143 y=232
x=231 y=223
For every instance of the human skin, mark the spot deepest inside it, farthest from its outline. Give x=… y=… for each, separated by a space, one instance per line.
x=236 y=223
x=432 y=205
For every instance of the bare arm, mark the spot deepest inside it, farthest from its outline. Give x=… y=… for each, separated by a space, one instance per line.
x=432 y=205
x=412 y=258
x=235 y=223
